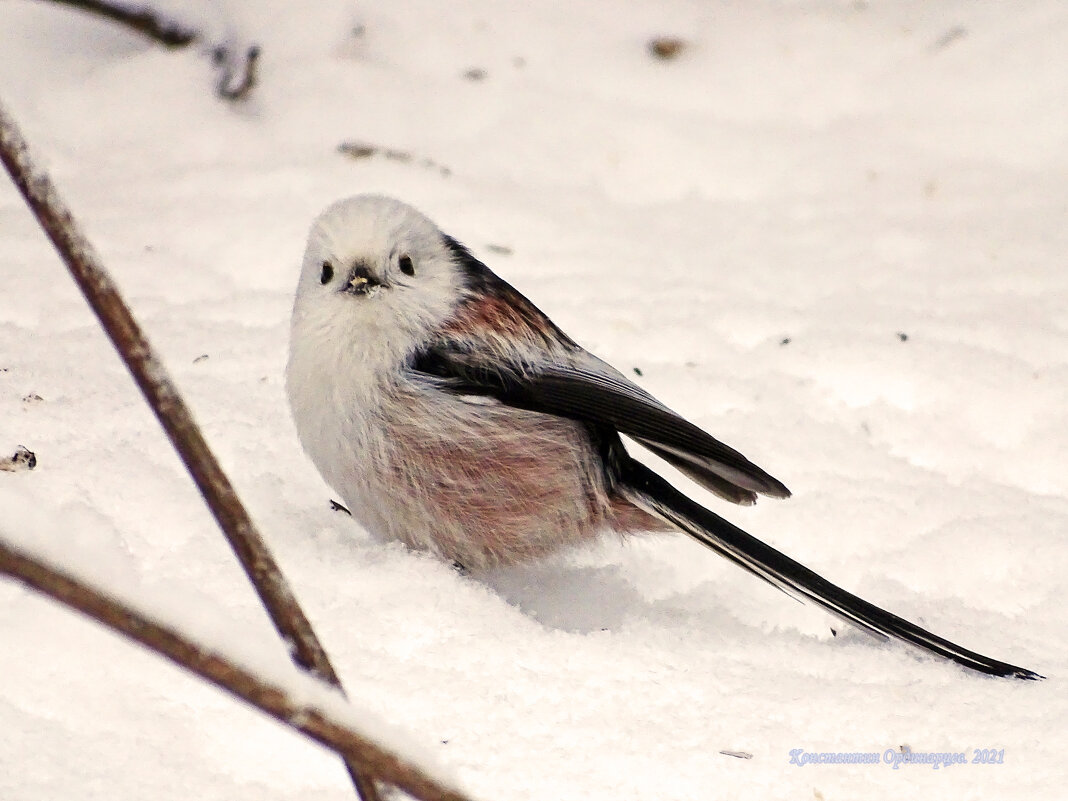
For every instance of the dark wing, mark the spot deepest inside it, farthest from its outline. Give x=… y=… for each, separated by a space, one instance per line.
x=597 y=396
x=569 y=382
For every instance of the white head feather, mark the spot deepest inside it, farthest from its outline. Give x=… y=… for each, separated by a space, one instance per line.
x=375 y=232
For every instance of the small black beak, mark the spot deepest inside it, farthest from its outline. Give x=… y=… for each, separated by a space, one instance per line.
x=361 y=281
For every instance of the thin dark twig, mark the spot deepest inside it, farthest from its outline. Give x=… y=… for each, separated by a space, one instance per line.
x=226 y=88
x=162 y=395
x=143 y=19
x=212 y=666
x=337 y=507
x=168 y=31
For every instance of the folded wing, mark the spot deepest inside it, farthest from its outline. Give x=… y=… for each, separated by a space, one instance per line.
x=591 y=391
x=476 y=353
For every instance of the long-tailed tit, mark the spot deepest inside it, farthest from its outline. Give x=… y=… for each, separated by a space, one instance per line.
x=453 y=415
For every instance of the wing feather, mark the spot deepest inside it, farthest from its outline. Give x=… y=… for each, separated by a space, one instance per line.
x=553 y=375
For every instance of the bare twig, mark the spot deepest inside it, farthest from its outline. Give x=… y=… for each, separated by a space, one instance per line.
x=172 y=413
x=273 y=699
x=363 y=150
x=337 y=507
x=227 y=88
x=237 y=76
x=140 y=18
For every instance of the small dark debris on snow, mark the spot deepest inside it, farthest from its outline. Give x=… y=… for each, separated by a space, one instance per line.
x=834 y=633
x=238 y=73
x=666 y=48
x=475 y=74
x=949 y=37
x=363 y=150
x=202 y=357
x=637 y=371
x=502 y=250
x=33 y=397
x=902 y=336
x=24 y=459
x=737 y=754
x=238 y=70
x=784 y=341
x=360 y=151
x=337 y=507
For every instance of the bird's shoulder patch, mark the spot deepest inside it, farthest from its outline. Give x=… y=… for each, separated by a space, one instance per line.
x=493 y=306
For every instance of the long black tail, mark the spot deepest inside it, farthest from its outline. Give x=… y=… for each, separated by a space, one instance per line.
x=650 y=492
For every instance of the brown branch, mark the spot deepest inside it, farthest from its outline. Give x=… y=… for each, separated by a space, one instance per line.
x=170 y=410
x=275 y=700
x=140 y=18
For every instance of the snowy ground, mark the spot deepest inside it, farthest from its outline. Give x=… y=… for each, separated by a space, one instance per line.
x=832 y=233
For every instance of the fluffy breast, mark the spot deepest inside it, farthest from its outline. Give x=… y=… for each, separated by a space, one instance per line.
x=483 y=483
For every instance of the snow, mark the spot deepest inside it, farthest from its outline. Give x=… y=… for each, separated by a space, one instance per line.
x=45 y=540
x=835 y=174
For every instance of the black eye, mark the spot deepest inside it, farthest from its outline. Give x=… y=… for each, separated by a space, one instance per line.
x=406 y=265
x=327 y=274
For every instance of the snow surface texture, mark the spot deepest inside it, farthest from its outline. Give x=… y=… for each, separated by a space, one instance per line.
x=831 y=233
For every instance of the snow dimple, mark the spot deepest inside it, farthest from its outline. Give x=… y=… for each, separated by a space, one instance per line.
x=753 y=224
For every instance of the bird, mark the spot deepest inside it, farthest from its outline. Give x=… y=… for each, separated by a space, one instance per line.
x=451 y=414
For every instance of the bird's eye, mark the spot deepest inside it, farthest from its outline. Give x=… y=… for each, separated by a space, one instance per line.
x=327 y=274
x=406 y=265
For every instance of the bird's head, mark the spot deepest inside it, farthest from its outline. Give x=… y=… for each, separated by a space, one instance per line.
x=374 y=262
